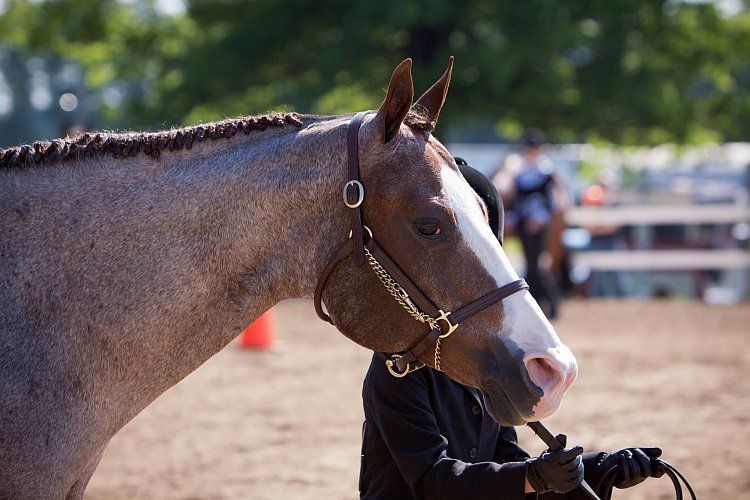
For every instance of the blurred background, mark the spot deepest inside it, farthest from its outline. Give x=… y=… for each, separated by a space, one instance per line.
x=645 y=108
x=645 y=104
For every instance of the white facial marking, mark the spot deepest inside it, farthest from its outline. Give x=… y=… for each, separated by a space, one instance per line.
x=474 y=228
x=549 y=362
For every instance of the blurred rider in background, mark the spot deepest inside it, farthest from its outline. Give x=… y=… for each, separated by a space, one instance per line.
x=535 y=197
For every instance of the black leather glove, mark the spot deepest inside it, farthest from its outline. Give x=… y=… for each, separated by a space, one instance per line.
x=627 y=467
x=560 y=470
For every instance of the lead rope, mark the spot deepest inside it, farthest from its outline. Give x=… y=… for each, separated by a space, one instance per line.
x=606 y=483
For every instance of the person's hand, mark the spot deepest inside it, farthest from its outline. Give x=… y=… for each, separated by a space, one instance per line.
x=632 y=465
x=560 y=470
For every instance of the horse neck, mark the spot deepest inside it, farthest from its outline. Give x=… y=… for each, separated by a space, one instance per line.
x=272 y=218
x=163 y=262
x=264 y=209
x=280 y=211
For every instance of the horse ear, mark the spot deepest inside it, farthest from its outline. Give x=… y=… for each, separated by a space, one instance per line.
x=397 y=101
x=432 y=101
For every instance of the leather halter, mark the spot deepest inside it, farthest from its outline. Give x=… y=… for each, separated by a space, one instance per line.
x=363 y=246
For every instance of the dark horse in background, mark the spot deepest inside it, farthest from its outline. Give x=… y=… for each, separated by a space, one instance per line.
x=127 y=260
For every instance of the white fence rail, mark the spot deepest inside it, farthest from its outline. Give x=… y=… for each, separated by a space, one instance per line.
x=663 y=260
x=652 y=215
x=660 y=260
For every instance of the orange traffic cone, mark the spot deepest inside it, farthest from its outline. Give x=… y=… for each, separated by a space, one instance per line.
x=259 y=335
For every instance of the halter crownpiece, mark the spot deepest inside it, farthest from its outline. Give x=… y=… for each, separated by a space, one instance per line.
x=354 y=191
x=362 y=245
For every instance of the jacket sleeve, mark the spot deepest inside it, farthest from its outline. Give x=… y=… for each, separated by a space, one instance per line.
x=507 y=449
x=402 y=412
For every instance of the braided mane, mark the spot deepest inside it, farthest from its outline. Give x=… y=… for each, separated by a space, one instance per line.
x=128 y=144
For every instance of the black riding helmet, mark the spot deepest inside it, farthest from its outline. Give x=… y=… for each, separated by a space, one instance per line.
x=486 y=190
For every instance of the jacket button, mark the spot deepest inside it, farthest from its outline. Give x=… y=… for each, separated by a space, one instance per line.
x=476 y=410
x=473 y=453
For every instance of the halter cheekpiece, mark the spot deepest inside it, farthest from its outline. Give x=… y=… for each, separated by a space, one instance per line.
x=362 y=246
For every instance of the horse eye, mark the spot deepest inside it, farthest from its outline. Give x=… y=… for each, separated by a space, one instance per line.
x=428 y=228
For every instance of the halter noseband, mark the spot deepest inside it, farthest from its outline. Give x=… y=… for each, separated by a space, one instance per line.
x=363 y=246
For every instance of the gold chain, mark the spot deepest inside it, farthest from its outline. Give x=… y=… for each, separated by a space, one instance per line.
x=398 y=292
x=437 y=355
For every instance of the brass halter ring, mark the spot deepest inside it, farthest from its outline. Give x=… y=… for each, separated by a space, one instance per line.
x=444 y=317
x=451 y=328
x=391 y=363
x=392 y=368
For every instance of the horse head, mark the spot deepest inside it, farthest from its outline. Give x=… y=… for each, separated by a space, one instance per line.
x=424 y=215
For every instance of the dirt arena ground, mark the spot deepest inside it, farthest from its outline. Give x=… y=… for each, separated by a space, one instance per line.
x=285 y=423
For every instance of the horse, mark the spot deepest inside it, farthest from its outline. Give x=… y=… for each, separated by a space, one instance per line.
x=129 y=259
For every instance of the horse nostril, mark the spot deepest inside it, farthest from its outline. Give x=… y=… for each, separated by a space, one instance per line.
x=552 y=373
x=544 y=374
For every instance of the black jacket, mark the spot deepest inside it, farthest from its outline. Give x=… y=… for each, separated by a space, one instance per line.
x=426 y=436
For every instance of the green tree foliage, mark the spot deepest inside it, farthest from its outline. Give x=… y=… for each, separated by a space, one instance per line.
x=625 y=71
